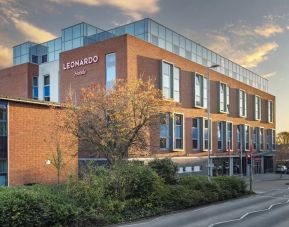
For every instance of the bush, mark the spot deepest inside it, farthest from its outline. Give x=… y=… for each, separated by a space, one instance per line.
x=133 y=181
x=125 y=192
x=166 y=169
x=31 y=207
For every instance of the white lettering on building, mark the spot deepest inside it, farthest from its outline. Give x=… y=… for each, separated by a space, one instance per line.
x=80 y=62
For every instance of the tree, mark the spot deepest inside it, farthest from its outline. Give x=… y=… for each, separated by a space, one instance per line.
x=116 y=122
x=62 y=144
x=283 y=138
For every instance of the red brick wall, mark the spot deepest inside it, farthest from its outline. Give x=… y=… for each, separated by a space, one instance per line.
x=29 y=126
x=16 y=81
x=144 y=61
x=96 y=71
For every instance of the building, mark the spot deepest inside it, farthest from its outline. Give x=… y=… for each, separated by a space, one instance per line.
x=26 y=151
x=243 y=112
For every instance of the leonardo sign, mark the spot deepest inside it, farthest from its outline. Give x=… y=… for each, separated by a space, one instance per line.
x=80 y=62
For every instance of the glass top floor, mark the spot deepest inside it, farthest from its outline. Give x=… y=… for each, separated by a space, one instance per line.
x=83 y=34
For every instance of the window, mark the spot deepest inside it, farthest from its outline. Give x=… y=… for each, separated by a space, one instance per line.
x=178 y=131
x=257 y=107
x=3 y=173
x=206 y=134
x=220 y=135
x=201 y=91
x=35 y=87
x=225 y=135
x=229 y=135
x=35 y=59
x=164 y=131
x=256 y=139
x=242 y=104
x=176 y=84
x=270 y=111
x=261 y=138
x=240 y=136
x=170 y=81
x=247 y=137
x=3 y=120
x=273 y=140
x=196 y=133
x=47 y=88
x=44 y=58
x=224 y=94
x=110 y=60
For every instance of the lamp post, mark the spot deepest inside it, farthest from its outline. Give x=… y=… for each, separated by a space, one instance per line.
x=209 y=122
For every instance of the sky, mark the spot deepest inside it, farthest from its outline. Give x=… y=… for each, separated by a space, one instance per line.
x=253 y=33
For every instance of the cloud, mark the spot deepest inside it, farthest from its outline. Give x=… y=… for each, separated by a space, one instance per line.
x=32 y=32
x=268 y=75
x=5 y=56
x=268 y=30
x=132 y=8
x=242 y=43
x=258 y=55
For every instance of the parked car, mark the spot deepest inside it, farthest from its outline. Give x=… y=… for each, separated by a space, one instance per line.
x=281 y=169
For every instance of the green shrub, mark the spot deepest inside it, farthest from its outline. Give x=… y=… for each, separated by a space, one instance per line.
x=233 y=186
x=33 y=207
x=166 y=169
x=133 y=181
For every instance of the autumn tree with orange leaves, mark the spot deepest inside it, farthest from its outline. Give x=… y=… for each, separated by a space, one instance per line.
x=116 y=122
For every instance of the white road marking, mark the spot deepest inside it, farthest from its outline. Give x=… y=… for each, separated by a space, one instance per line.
x=249 y=213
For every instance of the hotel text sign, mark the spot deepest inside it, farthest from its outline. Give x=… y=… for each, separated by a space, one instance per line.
x=80 y=62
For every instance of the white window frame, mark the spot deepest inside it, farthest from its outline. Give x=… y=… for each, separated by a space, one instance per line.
x=203 y=91
x=245 y=137
x=199 y=133
x=232 y=135
x=226 y=98
x=242 y=113
x=203 y=133
x=257 y=107
x=167 y=116
x=174 y=133
x=221 y=131
x=261 y=138
x=270 y=111
x=173 y=79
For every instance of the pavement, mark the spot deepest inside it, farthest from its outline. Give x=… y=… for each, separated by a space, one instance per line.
x=269 y=207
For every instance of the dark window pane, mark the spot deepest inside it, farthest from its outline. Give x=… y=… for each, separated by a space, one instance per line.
x=44 y=58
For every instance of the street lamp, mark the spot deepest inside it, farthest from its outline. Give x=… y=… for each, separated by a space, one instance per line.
x=209 y=117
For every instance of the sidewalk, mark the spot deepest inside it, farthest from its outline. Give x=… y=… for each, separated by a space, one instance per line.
x=268 y=177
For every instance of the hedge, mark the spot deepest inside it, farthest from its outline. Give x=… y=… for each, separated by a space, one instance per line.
x=125 y=192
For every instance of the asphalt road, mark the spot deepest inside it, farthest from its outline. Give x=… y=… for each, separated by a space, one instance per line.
x=268 y=208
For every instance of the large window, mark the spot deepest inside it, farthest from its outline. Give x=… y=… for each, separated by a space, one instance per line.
x=206 y=134
x=110 y=60
x=196 y=132
x=225 y=135
x=247 y=137
x=178 y=131
x=46 y=88
x=224 y=94
x=242 y=103
x=256 y=139
x=35 y=87
x=261 y=138
x=257 y=100
x=170 y=81
x=229 y=135
x=200 y=91
x=273 y=140
x=3 y=144
x=270 y=111
x=3 y=120
x=240 y=136
x=164 y=131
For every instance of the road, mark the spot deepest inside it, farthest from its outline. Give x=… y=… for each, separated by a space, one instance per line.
x=269 y=207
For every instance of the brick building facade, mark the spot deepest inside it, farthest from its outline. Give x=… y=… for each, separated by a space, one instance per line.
x=26 y=149
x=242 y=110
